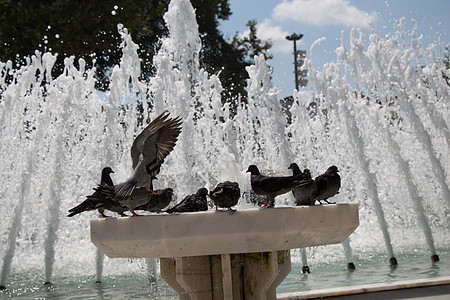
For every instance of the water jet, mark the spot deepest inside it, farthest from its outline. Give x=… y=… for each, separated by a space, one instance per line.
x=381 y=115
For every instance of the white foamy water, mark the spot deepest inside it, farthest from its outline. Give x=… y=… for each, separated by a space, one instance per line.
x=380 y=113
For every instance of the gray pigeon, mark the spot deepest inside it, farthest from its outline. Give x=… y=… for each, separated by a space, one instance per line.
x=101 y=199
x=148 y=152
x=157 y=200
x=302 y=194
x=272 y=186
x=326 y=185
x=251 y=197
x=226 y=194
x=192 y=203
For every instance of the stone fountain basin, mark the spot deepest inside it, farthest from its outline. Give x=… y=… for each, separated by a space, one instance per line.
x=219 y=232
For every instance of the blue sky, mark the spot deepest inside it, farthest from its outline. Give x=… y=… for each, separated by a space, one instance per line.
x=328 y=18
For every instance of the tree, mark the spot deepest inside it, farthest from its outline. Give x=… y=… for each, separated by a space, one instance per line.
x=251 y=45
x=88 y=29
x=85 y=28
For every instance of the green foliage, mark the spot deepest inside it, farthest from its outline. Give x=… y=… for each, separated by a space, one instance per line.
x=85 y=28
x=251 y=45
x=88 y=29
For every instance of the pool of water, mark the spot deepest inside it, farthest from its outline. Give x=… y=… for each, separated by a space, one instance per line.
x=373 y=268
x=370 y=268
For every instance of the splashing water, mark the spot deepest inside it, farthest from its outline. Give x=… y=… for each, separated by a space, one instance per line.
x=380 y=115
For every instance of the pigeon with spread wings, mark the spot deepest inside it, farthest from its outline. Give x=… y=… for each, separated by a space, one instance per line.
x=148 y=152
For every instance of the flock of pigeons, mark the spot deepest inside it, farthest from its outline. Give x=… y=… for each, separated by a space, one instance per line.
x=148 y=152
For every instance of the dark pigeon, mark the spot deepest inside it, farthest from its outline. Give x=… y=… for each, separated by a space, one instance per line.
x=225 y=195
x=148 y=152
x=272 y=186
x=104 y=194
x=106 y=177
x=302 y=194
x=326 y=185
x=192 y=203
x=157 y=201
x=101 y=199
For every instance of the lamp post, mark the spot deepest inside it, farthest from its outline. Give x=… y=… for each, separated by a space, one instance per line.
x=298 y=61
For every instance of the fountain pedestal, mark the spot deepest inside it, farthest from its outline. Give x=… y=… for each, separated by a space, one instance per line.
x=227 y=276
x=225 y=255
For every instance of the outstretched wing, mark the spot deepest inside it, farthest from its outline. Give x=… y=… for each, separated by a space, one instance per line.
x=148 y=152
x=155 y=142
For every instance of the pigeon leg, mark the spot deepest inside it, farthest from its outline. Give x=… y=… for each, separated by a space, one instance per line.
x=102 y=215
x=133 y=213
x=124 y=215
x=328 y=201
x=269 y=203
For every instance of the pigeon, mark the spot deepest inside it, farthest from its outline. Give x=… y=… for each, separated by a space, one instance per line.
x=225 y=195
x=192 y=203
x=104 y=194
x=251 y=197
x=326 y=185
x=148 y=152
x=106 y=177
x=302 y=194
x=101 y=198
x=156 y=201
x=272 y=186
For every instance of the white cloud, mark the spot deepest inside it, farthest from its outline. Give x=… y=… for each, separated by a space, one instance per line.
x=323 y=12
x=267 y=31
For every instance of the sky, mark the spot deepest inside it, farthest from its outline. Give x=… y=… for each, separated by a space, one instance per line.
x=317 y=19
